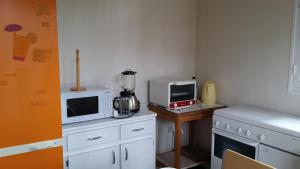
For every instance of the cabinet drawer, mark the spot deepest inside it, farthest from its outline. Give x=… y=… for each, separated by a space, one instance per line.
x=92 y=137
x=137 y=129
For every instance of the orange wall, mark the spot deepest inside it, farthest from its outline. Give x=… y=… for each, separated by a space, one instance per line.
x=29 y=72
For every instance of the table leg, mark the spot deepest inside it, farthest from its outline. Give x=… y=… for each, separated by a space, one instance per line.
x=191 y=136
x=177 y=144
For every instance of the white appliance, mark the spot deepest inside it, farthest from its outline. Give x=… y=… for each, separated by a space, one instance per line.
x=172 y=94
x=94 y=103
x=270 y=137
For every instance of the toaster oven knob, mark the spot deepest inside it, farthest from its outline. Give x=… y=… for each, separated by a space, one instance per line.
x=217 y=123
x=228 y=127
x=248 y=133
x=261 y=137
x=240 y=130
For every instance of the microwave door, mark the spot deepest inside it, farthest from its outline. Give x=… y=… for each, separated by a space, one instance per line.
x=182 y=92
x=82 y=106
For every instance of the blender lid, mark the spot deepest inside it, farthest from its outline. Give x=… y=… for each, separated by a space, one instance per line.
x=129 y=72
x=125 y=93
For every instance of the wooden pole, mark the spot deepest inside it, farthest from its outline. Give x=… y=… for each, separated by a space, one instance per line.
x=78 y=87
x=77 y=69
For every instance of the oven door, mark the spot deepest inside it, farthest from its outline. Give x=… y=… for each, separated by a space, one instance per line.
x=222 y=141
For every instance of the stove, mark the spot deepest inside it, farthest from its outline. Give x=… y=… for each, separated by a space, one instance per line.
x=266 y=136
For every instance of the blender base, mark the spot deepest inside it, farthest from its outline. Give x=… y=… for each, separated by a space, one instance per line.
x=125 y=115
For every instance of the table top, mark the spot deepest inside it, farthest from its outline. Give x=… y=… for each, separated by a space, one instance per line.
x=197 y=112
x=193 y=108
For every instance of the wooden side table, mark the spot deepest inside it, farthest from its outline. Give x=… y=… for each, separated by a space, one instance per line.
x=178 y=119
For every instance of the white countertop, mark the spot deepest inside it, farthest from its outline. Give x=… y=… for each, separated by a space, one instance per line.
x=144 y=113
x=280 y=122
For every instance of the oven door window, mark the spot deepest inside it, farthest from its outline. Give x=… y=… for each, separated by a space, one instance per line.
x=182 y=92
x=223 y=143
x=82 y=106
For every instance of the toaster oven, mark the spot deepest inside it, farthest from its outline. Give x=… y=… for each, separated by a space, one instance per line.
x=172 y=94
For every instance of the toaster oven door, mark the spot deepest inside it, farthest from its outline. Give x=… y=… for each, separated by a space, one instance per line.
x=183 y=91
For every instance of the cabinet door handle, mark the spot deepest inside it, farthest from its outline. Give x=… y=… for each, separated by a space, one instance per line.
x=126 y=154
x=138 y=129
x=114 y=157
x=94 y=138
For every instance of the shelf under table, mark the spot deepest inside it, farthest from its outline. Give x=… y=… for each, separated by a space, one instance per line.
x=191 y=157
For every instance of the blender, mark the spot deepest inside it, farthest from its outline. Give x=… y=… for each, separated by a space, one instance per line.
x=127 y=103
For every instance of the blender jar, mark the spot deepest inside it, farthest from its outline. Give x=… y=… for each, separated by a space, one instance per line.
x=128 y=80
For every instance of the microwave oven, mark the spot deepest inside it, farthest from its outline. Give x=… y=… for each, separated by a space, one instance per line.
x=94 y=103
x=172 y=94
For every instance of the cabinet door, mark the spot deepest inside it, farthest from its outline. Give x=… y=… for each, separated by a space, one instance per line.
x=107 y=158
x=138 y=155
x=277 y=158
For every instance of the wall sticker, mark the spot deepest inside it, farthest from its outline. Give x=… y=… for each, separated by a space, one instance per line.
x=42 y=9
x=40 y=92
x=10 y=75
x=39 y=103
x=3 y=83
x=41 y=55
x=21 y=43
x=45 y=24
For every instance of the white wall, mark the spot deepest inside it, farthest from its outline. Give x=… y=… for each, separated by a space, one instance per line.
x=244 y=46
x=153 y=37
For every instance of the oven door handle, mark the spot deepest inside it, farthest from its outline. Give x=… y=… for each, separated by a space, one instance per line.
x=237 y=138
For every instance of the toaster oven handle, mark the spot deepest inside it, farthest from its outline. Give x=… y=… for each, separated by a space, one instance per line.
x=184 y=82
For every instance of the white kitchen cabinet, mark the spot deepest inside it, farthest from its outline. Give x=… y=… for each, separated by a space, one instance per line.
x=138 y=155
x=277 y=158
x=111 y=143
x=107 y=158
